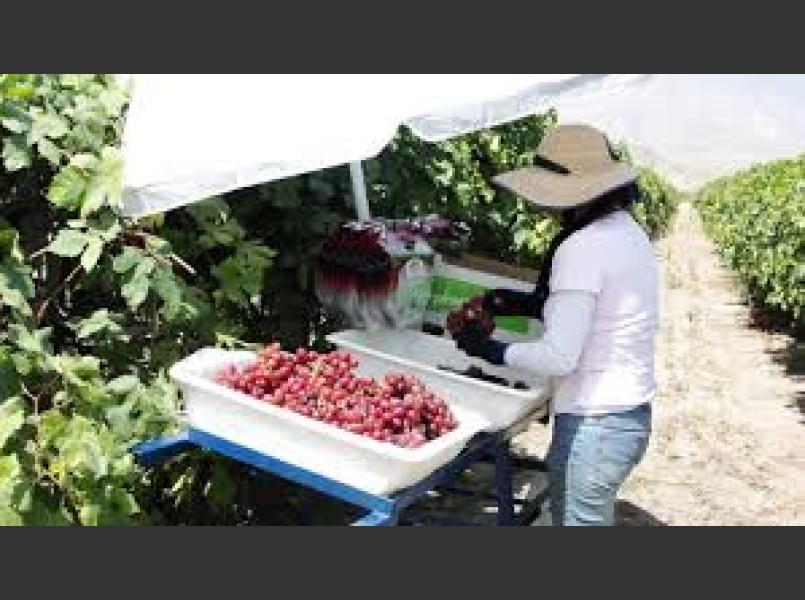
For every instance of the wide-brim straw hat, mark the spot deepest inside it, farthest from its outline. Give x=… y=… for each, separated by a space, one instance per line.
x=575 y=164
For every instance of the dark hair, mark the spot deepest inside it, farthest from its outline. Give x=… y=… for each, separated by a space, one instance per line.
x=621 y=198
x=574 y=219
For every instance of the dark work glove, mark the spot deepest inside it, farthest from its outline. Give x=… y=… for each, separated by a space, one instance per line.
x=476 y=342
x=501 y=302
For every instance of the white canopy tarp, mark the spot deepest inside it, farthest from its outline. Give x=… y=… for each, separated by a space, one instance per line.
x=189 y=137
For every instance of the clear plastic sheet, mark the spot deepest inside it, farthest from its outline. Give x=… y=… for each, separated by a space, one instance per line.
x=696 y=128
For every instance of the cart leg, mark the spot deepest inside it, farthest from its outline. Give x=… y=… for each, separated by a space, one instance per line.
x=503 y=484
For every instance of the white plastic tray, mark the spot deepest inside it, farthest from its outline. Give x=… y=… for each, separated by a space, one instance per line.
x=421 y=354
x=367 y=464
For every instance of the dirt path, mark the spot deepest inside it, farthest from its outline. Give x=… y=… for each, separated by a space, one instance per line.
x=729 y=438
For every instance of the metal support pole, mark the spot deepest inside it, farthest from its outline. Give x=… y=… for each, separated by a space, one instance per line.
x=359 y=191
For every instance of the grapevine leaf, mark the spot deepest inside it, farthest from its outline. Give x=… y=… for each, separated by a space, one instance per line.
x=77 y=369
x=98 y=322
x=241 y=275
x=91 y=254
x=27 y=340
x=49 y=151
x=16 y=153
x=51 y=426
x=8 y=241
x=43 y=511
x=126 y=260
x=104 y=186
x=135 y=291
x=111 y=175
x=113 y=100
x=22 y=363
x=89 y=514
x=69 y=243
x=78 y=81
x=16 y=85
x=121 y=420
x=10 y=480
x=67 y=188
x=10 y=517
x=123 y=384
x=158 y=245
x=81 y=450
x=48 y=125
x=105 y=226
x=9 y=376
x=12 y=416
x=94 y=197
x=14 y=118
x=167 y=288
x=84 y=161
x=144 y=267
x=16 y=287
x=123 y=502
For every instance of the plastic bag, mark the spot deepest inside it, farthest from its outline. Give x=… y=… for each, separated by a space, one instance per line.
x=413 y=294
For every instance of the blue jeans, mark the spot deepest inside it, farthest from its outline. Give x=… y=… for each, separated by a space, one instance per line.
x=588 y=461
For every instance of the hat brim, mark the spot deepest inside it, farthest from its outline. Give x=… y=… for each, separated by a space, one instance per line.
x=547 y=189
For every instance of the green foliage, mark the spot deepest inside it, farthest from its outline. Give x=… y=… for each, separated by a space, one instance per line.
x=757 y=220
x=658 y=205
x=16 y=286
x=92 y=309
x=453 y=178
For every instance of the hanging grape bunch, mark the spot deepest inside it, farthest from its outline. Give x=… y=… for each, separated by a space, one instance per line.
x=354 y=260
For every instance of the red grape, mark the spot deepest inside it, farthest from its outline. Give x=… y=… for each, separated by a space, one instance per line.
x=471 y=311
x=397 y=409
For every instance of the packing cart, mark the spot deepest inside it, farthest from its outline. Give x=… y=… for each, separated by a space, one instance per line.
x=380 y=478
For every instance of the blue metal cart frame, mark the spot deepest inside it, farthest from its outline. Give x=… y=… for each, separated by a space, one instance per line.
x=381 y=510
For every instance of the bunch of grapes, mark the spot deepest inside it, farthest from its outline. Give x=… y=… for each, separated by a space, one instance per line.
x=470 y=312
x=399 y=409
x=354 y=260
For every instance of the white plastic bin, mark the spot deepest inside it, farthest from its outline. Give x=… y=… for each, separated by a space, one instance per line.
x=364 y=463
x=421 y=354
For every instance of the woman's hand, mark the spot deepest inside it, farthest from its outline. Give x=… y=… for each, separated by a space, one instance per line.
x=476 y=342
x=501 y=302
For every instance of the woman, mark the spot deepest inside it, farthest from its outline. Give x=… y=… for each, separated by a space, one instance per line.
x=597 y=298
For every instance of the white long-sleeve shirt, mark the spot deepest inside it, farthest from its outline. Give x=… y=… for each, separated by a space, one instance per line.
x=601 y=320
x=568 y=317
